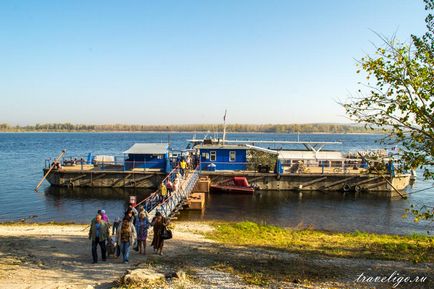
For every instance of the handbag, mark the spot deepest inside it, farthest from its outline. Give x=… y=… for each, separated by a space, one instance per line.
x=118 y=250
x=166 y=234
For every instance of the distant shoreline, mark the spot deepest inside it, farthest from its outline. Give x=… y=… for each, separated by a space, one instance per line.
x=305 y=128
x=201 y=132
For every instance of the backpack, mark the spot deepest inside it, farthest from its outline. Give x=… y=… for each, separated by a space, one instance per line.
x=125 y=231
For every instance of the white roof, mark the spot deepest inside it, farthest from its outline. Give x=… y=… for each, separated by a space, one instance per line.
x=310 y=155
x=239 y=146
x=104 y=157
x=148 y=148
x=262 y=149
x=221 y=146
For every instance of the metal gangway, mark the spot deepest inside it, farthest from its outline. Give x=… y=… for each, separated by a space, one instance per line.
x=174 y=200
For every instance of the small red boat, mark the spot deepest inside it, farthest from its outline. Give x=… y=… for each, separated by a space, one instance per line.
x=238 y=185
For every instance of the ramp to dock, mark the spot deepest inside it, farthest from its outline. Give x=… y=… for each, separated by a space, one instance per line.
x=175 y=200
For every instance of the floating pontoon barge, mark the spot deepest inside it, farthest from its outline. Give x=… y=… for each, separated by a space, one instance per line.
x=313 y=169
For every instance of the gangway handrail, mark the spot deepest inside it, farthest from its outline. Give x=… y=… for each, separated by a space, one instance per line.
x=154 y=202
x=169 y=204
x=156 y=191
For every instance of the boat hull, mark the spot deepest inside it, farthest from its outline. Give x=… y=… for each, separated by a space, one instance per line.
x=231 y=189
x=367 y=183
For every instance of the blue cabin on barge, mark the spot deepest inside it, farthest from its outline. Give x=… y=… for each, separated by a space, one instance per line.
x=148 y=156
x=222 y=157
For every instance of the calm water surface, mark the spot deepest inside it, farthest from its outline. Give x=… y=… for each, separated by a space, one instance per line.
x=22 y=157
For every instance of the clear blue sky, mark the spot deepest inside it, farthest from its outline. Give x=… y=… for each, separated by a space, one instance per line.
x=164 y=62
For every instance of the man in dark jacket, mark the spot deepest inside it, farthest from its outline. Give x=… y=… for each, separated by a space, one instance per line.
x=135 y=214
x=98 y=233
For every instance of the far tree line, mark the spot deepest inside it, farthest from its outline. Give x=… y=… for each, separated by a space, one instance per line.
x=264 y=128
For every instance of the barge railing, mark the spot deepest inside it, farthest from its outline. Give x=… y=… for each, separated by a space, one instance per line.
x=117 y=164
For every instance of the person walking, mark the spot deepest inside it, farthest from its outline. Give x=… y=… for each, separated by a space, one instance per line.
x=163 y=191
x=182 y=166
x=159 y=223
x=169 y=186
x=176 y=182
x=188 y=161
x=126 y=237
x=130 y=215
x=104 y=216
x=140 y=209
x=132 y=208
x=98 y=233
x=142 y=226
x=115 y=227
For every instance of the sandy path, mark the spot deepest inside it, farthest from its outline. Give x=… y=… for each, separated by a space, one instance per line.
x=58 y=256
x=47 y=256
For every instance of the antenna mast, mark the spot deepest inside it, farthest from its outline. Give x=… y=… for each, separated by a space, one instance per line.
x=224 y=126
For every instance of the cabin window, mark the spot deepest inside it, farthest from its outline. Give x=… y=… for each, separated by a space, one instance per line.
x=160 y=157
x=232 y=156
x=212 y=156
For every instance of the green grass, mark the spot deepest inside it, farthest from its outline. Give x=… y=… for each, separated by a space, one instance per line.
x=415 y=248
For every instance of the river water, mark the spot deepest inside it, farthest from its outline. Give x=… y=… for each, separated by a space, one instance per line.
x=22 y=157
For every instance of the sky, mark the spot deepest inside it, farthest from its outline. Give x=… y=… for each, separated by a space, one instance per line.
x=185 y=62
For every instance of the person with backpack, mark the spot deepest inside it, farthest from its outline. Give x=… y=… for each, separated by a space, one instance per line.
x=126 y=237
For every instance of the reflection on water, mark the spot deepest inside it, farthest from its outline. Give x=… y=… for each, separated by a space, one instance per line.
x=326 y=211
x=81 y=204
x=333 y=211
x=98 y=193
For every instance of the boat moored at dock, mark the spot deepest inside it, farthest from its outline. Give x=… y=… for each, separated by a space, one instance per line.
x=236 y=185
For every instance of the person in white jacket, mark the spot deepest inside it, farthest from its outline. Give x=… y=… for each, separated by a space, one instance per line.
x=126 y=237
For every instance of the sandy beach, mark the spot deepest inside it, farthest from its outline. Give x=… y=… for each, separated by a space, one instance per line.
x=58 y=256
